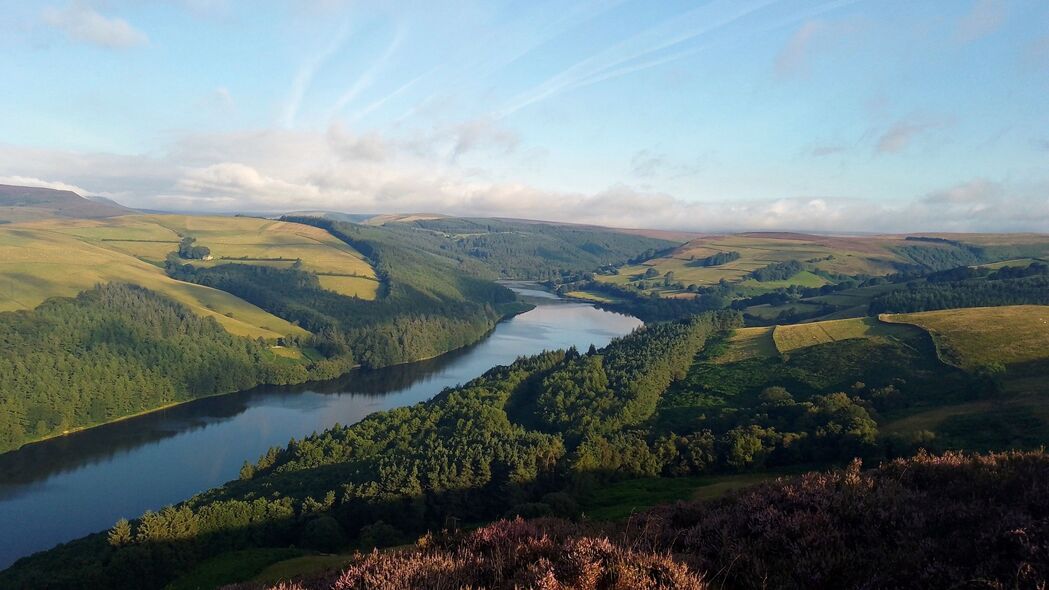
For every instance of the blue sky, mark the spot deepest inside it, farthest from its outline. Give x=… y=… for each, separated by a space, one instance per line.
x=876 y=115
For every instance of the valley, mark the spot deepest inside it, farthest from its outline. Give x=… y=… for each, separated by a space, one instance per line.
x=785 y=353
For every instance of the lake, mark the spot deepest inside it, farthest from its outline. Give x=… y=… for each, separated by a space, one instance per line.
x=64 y=488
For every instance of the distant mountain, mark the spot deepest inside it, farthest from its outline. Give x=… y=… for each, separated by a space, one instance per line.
x=24 y=203
x=334 y=215
x=105 y=201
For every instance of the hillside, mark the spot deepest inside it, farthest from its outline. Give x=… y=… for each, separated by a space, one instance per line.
x=22 y=203
x=60 y=258
x=762 y=262
x=46 y=259
x=516 y=249
x=1014 y=336
x=926 y=522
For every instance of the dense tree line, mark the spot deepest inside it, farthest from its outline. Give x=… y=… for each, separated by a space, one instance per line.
x=999 y=288
x=777 y=271
x=113 y=351
x=716 y=259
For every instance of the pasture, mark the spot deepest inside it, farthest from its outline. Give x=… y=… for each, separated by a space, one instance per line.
x=37 y=264
x=748 y=343
x=792 y=337
x=971 y=337
x=832 y=254
x=61 y=257
x=232 y=240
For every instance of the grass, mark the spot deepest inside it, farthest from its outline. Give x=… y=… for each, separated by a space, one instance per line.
x=803 y=279
x=592 y=296
x=796 y=336
x=1020 y=262
x=837 y=255
x=61 y=257
x=619 y=500
x=747 y=343
x=969 y=338
x=1020 y=419
x=300 y=566
x=365 y=288
x=37 y=262
x=232 y=567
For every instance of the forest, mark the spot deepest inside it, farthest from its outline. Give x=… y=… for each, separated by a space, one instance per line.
x=114 y=351
x=529 y=439
x=967 y=287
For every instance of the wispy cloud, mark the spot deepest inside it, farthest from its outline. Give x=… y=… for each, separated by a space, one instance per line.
x=900 y=135
x=306 y=72
x=367 y=77
x=827 y=149
x=984 y=18
x=652 y=164
x=793 y=55
x=83 y=24
x=673 y=32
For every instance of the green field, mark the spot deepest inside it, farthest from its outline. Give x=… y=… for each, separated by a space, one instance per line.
x=832 y=254
x=795 y=336
x=61 y=257
x=971 y=337
x=747 y=343
x=36 y=264
x=592 y=296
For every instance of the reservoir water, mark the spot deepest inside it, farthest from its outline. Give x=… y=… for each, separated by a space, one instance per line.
x=64 y=488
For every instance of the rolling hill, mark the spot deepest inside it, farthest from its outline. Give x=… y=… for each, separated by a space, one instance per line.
x=61 y=257
x=740 y=260
x=23 y=203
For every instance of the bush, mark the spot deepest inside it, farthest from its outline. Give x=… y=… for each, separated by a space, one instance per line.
x=323 y=533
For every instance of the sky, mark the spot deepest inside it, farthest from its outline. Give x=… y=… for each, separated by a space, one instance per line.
x=709 y=115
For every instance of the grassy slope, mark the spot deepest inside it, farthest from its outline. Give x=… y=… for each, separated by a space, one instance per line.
x=849 y=256
x=971 y=337
x=37 y=263
x=792 y=337
x=55 y=257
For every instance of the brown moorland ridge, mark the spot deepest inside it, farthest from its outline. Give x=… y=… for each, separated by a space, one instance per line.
x=23 y=203
x=950 y=521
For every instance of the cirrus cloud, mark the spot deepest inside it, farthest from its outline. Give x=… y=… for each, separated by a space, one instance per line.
x=83 y=24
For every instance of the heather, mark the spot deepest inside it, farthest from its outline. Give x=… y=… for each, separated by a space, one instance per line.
x=948 y=521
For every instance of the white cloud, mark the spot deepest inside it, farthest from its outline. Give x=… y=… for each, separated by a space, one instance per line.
x=984 y=18
x=36 y=182
x=82 y=23
x=286 y=170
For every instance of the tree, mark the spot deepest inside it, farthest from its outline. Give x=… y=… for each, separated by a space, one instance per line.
x=120 y=534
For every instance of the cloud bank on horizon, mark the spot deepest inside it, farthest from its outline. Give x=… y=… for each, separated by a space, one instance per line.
x=829 y=115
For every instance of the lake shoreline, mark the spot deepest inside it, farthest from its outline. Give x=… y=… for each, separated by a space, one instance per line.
x=523 y=307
